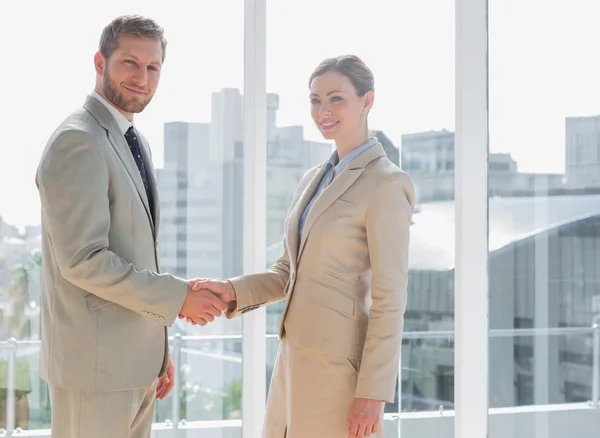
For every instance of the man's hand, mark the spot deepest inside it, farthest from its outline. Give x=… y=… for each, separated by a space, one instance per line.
x=364 y=417
x=220 y=288
x=166 y=382
x=201 y=306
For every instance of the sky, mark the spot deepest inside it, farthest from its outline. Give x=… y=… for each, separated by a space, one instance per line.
x=543 y=56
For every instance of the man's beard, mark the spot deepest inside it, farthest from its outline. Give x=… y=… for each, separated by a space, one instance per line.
x=110 y=90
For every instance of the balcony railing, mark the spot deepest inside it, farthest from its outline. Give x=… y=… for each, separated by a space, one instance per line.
x=178 y=342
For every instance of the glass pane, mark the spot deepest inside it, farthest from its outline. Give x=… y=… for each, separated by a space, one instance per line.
x=207 y=362
x=544 y=212
x=411 y=53
x=194 y=128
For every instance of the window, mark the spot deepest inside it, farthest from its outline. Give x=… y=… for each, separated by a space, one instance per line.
x=513 y=215
x=543 y=233
x=195 y=88
x=414 y=111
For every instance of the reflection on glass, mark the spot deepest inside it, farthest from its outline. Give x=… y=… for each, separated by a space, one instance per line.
x=194 y=127
x=413 y=118
x=544 y=215
x=543 y=279
x=19 y=321
x=210 y=381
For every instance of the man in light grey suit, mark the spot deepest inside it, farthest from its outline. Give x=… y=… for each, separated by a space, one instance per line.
x=105 y=306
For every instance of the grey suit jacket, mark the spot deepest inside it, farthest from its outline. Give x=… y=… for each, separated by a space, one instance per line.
x=345 y=282
x=105 y=307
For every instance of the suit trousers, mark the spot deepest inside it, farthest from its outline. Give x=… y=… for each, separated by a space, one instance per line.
x=116 y=414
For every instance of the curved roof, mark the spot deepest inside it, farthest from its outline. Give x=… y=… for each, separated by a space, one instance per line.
x=511 y=220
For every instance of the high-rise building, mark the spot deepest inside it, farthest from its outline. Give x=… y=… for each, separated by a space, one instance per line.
x=201 y=187
x=392 y=151
x=428 y=157
x=582 y=145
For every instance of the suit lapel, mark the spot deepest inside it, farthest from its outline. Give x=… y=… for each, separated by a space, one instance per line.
x=337 y=188
x=120 y=146
x=294 y=222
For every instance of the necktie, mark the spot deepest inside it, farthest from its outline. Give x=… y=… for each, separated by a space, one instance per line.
x=134 y=146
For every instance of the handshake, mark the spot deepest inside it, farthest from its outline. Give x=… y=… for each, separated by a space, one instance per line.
x=206 y=299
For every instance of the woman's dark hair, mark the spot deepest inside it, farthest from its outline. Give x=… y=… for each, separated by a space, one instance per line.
x=350 y=66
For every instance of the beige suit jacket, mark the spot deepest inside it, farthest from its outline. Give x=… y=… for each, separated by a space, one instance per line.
x=105 y=307
x=345 y=282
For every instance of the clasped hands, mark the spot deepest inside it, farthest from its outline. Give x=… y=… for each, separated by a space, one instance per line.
x=206 y=300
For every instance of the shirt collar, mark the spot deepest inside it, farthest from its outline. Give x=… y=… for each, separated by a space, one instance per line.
x=340 y=166
x=121 y=120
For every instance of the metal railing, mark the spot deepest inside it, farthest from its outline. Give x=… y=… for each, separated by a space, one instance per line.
x=178 y=342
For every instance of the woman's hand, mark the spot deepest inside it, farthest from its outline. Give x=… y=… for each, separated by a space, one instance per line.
x=364 y=417
x=222 y=289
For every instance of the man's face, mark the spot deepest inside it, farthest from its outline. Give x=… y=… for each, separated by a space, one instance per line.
x=130 y=76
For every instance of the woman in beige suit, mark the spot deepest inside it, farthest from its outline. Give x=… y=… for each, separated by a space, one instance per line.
x=343 y=274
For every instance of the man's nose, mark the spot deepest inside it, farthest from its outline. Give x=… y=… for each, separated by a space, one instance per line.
x=141 y=77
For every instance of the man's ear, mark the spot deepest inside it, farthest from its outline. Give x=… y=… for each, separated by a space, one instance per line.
x=99 y=64
x=369 y=100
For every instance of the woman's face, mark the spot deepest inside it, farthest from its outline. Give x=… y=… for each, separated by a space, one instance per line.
x=336 y=109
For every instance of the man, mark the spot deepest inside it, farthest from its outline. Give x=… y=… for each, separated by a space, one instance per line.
x=105 y=307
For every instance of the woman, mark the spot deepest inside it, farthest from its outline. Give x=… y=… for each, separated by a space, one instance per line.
x=343 y=274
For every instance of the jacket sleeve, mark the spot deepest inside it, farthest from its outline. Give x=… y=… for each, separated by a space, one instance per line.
x=73 y=184
x=257 y=290
x=387 y=226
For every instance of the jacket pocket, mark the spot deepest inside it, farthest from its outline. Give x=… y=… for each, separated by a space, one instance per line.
x=94 y=302
x=332 y=298
x=355 y=364
x=349 y=201
x=337 y=277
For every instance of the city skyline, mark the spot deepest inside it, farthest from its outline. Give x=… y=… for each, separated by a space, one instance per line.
x=500 y=332
x=159 y=160
x=533 y=87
